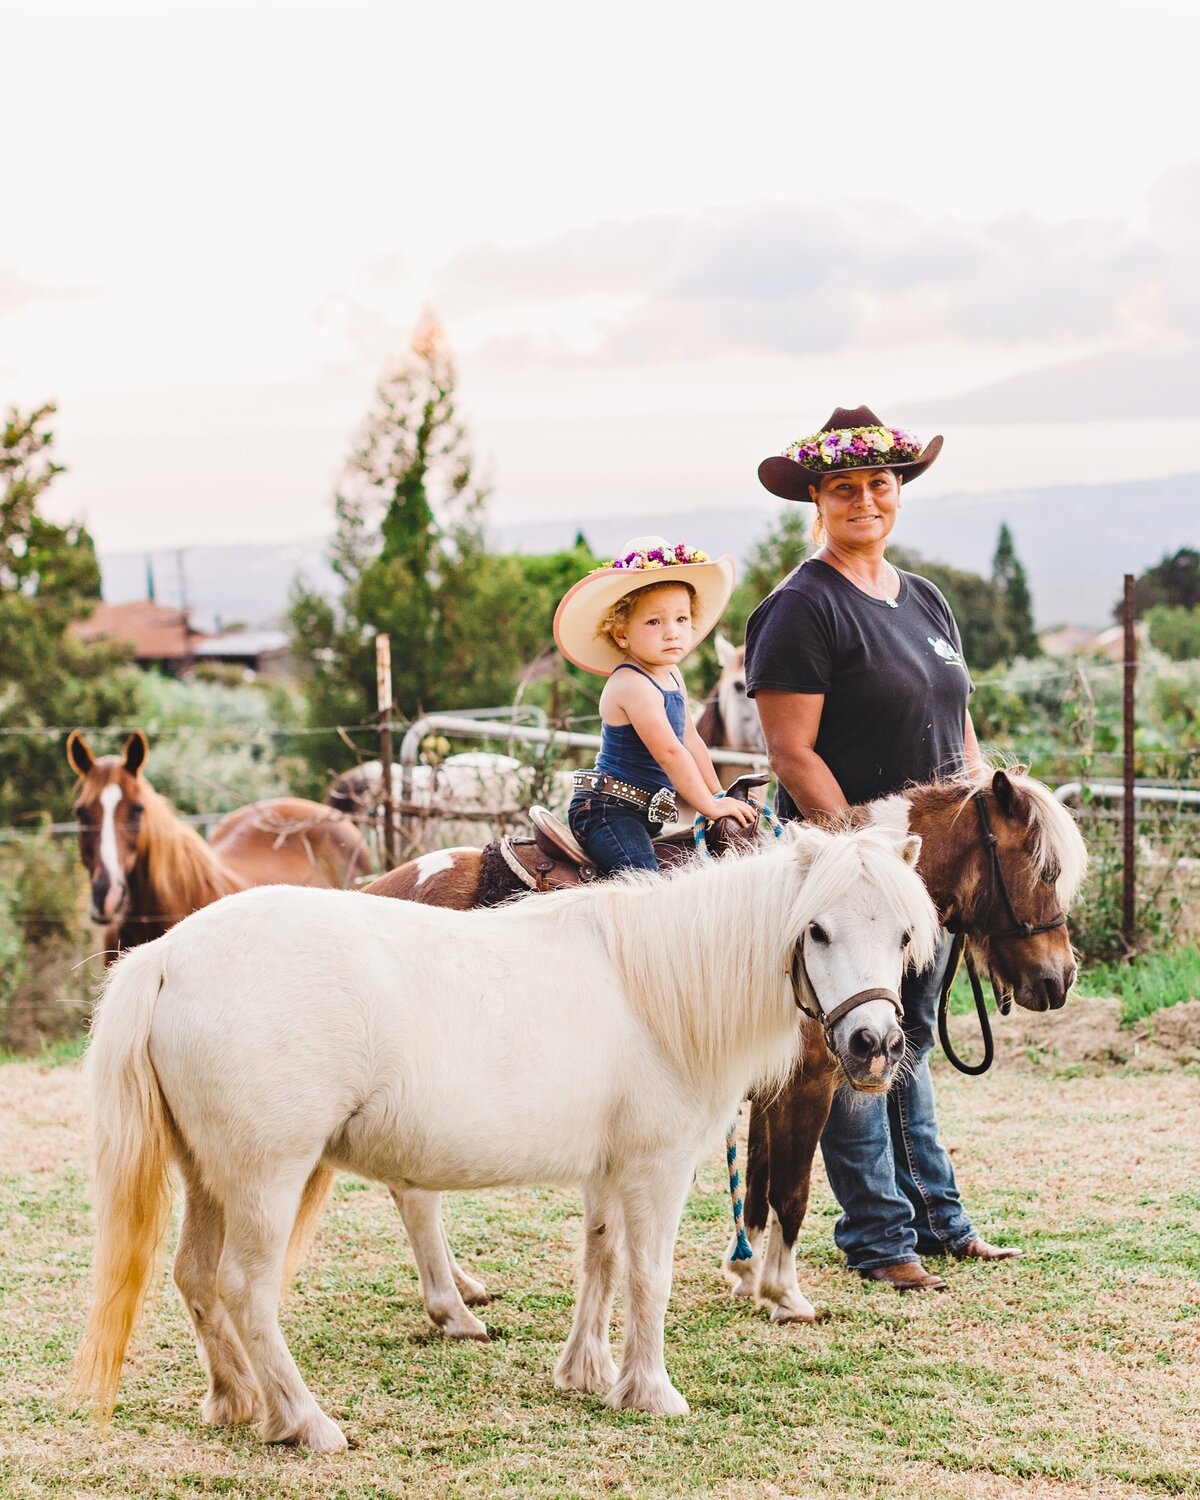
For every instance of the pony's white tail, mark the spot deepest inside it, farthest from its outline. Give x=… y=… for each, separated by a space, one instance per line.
x=132 y=1148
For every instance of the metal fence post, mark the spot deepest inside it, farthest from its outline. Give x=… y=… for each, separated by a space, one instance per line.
x=1129 y=804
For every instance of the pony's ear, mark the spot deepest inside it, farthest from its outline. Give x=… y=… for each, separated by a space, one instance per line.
x=79 y=757
x=725 y=651
x=1008 y=798
x=136 y=749
x=911 y=852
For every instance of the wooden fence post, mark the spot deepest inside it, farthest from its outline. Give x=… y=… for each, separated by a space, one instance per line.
x=383 y=694
x=1128 y=804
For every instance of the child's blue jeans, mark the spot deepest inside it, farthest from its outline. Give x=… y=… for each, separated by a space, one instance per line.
x=616 y=834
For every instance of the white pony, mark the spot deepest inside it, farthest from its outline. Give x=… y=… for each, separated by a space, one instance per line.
x=603 y=1036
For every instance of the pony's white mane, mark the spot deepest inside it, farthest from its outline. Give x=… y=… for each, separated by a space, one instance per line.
x=697 y=1005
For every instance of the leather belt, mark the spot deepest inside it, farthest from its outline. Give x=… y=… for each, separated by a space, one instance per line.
x=659 y=805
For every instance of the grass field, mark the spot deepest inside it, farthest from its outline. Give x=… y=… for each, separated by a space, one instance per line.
x=1073 y=1373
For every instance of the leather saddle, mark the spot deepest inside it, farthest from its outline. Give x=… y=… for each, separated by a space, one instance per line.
x=554 y=860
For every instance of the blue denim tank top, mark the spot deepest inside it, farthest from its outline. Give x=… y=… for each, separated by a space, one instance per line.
x=622 y=753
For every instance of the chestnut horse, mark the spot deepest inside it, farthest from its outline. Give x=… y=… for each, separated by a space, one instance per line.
x=148 y=870
x=1039 y=859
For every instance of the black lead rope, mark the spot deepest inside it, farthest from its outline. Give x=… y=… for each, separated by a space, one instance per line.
x=985 y=1026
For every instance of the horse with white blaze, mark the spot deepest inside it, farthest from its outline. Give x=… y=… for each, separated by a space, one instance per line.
x=603 y=1036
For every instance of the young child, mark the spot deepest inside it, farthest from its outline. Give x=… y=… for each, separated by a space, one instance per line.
x=634 y=622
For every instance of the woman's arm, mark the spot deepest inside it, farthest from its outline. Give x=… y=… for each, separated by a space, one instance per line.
x=972 y=756
x=790 y=722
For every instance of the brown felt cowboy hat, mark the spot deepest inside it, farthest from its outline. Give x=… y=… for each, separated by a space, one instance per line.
x=643 y=561
x=852 y=438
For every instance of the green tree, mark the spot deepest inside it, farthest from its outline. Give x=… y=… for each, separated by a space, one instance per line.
x=1014 y=606
x=1175 y=632
x=49 y=577
x=408 y=541
x=1174 y=582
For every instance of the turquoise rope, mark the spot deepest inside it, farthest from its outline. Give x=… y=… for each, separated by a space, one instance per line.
x=741 y=1248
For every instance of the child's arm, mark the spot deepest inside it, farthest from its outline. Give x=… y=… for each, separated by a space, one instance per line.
x=698 y=750
x=642 y=704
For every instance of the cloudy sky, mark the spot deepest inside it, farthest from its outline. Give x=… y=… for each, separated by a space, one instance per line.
x=664 y=239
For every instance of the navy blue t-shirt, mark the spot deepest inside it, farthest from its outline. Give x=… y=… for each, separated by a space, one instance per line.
x=894 y=680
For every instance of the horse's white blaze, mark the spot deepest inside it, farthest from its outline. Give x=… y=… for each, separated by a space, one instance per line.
x=109 y=856
x=433 y=864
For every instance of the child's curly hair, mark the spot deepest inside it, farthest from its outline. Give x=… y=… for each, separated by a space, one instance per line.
x=617 y=616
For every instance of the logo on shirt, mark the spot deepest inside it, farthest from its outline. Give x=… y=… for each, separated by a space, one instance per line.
x=945 y=650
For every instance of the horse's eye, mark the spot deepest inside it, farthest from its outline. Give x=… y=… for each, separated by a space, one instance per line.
x=134 y=813
x=817 y=933
x=906 y=938
x=740 y=685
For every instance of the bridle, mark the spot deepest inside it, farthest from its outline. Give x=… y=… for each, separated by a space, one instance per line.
x=955 y=925
x=802 y=988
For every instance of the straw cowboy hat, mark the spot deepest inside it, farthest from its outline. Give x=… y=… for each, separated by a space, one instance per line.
x=852 y=438
x=643 y=561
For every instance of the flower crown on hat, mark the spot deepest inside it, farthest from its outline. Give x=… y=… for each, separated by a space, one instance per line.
x=854 y=448
x=656 y=557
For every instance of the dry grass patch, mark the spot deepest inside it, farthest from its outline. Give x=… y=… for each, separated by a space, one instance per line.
x=1073 y=1373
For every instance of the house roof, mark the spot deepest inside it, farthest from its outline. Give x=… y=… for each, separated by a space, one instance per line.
x=156 y=632
x=244 y=643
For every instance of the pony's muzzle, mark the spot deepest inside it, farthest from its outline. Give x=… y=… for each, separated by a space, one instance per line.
x=108 y=897
x=872 y=1052
x=1045 y=989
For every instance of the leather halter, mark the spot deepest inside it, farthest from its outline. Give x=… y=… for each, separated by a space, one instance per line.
x=1020 y=929
x=802 y=987
x=958 y=927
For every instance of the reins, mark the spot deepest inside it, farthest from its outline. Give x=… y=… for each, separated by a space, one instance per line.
x=959 y=949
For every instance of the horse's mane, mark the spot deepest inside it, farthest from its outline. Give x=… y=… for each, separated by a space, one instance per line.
x=764 y=899
x=1056 y=846
x=182 y=872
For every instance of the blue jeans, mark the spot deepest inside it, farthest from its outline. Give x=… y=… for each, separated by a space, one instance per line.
x=888 y=1170
x=616 y=834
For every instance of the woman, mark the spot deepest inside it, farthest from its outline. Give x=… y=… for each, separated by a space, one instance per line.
x=858 y=674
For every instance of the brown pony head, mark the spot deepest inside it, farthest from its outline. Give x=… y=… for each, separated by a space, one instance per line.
x=109 y=808
x=1012 y=895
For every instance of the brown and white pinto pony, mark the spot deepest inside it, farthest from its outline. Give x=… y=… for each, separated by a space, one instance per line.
x=1043 y=860
x=148 y=870
x=729 y=719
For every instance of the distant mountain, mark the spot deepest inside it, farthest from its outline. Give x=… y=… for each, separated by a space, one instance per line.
x=1076 y=542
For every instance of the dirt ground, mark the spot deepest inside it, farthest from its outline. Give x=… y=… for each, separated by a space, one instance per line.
x=1089 y=1033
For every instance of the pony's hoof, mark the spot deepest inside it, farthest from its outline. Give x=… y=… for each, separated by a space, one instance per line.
x=231 y=1408
x=317 y=1433
x=741 y=1284
x=592 y=1371
x=656 y=1396
x=797 y=1310
x=473 y=1292
x=465 y=1325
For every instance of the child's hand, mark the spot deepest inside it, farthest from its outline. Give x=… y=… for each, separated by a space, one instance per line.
x=728 y=807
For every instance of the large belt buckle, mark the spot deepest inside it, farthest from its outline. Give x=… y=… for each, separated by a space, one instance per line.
x=662 y=807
